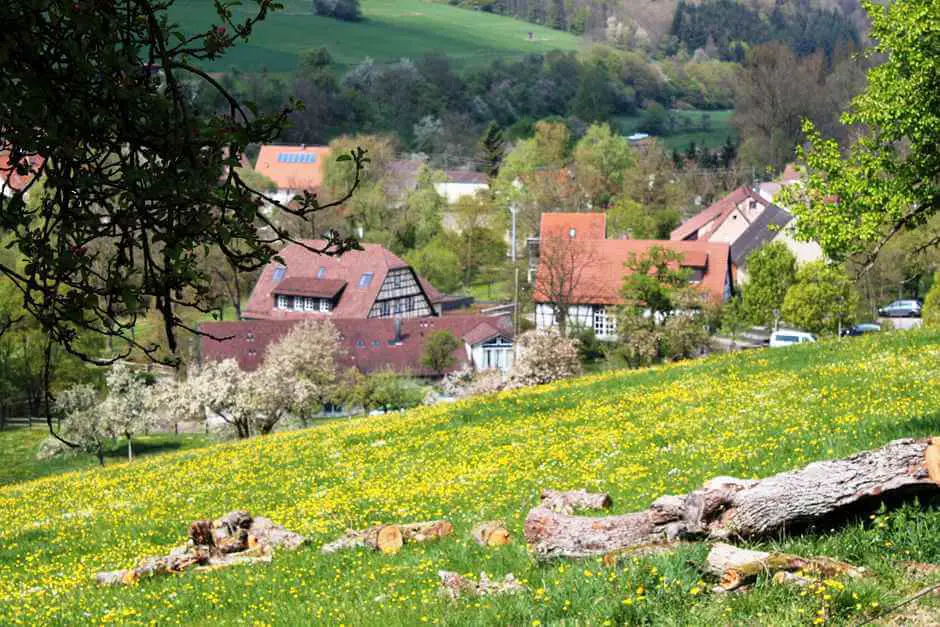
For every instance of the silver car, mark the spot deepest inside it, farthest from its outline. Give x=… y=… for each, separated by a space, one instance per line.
x=901 y=309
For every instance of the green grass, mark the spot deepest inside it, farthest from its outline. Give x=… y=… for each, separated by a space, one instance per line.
x=18 y=449
x=636 y=434
x=392 y=29
x=721 y=128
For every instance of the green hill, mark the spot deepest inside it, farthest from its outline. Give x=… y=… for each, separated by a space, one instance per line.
x=636 y=434
x=392 y=29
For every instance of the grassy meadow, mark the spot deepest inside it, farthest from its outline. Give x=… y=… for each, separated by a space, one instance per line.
x=392 y=29
x=720 y=129
x=636 y=434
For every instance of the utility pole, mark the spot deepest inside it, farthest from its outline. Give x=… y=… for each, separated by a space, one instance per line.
x=512 y=246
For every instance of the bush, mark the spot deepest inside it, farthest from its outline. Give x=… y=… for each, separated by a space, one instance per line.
x=543 y=357
x=347 y=10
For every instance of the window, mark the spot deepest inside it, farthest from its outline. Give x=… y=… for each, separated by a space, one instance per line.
x=310 y=304
x=360 y=343
x=298 y=303
x=250 y=336
x=365 y=280
x=396 y=280
x=398 y=306
x=696 y=274
x=279 y=273
x=604 y=325
x=324 y=305
x=497 y=354
x=321 y=272
x=385 y=308
x=282 y=302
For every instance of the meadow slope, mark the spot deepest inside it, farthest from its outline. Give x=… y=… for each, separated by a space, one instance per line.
x=636 y=434
x=392 y=29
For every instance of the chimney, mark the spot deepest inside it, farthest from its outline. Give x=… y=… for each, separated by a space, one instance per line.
x=397 y=338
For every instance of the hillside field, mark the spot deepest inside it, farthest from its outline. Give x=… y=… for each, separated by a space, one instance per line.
x=720 y=129
x=636 y=434
x=392 y=29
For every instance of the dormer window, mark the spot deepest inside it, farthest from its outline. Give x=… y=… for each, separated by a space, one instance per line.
x=696 y=275
x=282 y=302
x=310 y=304
x=298 y=303
x=325 y=305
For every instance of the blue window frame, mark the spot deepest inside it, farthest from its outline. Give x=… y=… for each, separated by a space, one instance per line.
x=365 y=280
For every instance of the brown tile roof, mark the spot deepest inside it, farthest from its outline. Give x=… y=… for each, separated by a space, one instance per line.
x=465 y=176
x=600 y=282
x=293 y=167
x=310 y=286
x=587 y=226
x=711 y=218
x=367 y=345
x=301 y=263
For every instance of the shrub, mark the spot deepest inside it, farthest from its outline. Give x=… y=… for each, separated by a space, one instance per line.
x=543 y=357
x=931 y=312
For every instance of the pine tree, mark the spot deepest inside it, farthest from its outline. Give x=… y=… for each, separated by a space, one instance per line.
x=491 y=149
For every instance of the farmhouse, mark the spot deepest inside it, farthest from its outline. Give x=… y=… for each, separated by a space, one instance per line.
x=360 y=284
x=581 y=272
x=485 y=343
x=294 y=169
x=460 y=183
x=746 y=219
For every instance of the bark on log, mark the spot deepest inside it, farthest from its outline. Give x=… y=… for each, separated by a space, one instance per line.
x=736 y=567
x=726 y=507
x=389 y=538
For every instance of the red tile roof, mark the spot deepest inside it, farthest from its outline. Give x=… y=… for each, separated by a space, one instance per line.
x=586 y=225
x=279 y=163
x=367 y=345
x=601 y=280
x=714 y=215
x=301 y=263
x=11 y=180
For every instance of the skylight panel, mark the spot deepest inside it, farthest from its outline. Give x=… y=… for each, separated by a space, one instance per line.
x=279 y=273
x=365 y=280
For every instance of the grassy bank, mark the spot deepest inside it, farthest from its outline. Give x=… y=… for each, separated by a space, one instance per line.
x=392 y=29
x=635 y=434
x=719 y=129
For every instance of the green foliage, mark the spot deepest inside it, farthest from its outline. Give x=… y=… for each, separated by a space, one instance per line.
x=600 y=159
x=418 y=221
x=491 y=149
x=439 y=263
x=346 y=10
x=438 y=353
x=931 y=310
x=387 y=390
x=590 y=349
x=887 y=180
x=771 y=270
x=821 y=298
x=652 y=198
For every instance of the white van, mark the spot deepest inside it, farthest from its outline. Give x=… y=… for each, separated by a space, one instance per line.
x=787 y=337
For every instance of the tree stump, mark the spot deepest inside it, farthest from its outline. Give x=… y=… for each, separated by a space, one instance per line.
x=736 y=567
x=490 y=533
x=390 y=538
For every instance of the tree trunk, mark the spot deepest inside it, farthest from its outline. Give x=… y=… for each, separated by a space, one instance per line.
x=130 y=448
x=725 y=507
x=736 y=567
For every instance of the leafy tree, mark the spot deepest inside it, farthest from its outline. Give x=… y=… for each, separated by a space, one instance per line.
x=439 y=263
x=491 y=150
x=388 y=390
x=369 y=207
x=138 y=176
x=822 y=299
x=347 y=10
x=771 y=270
x=438 y=353
x=887 y=181
x=661 y=317
x=418 y=221
x=931 y=311
x=600 y=160
x=652 y=198
x=86 y=428
x=479 y=246
x=127 y=409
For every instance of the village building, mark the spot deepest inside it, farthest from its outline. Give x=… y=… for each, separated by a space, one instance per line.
x=294 y=169
x=460 y=183
x=581 y=272
x=746 y=219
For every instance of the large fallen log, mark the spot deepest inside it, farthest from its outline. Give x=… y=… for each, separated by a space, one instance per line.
x=735 y=508
x=389 y=538
x=736 y=567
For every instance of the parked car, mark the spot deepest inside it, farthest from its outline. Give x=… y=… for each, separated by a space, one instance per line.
x=902 y=309
x=861 y=329
x=788 y=337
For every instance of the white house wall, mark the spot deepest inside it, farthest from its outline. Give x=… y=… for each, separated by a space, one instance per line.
x=453 y=192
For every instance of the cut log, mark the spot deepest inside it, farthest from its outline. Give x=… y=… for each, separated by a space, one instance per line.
x=389 y=538
x=733 y=508
x=236 y=538
x=490 y=533
x=455 y=586
x=736 y=567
